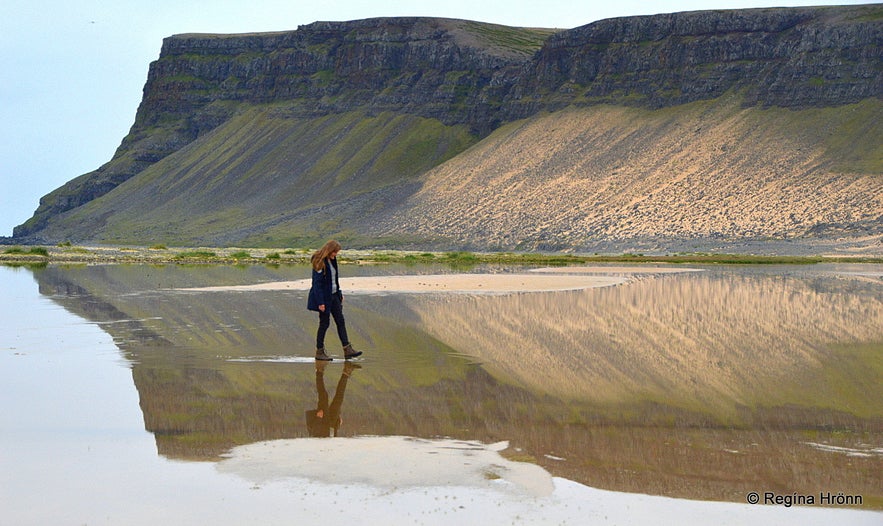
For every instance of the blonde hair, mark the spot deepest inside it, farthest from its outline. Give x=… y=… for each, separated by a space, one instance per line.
x=318 y=258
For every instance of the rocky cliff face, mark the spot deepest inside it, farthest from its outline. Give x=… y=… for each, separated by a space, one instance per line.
x=777 y=57
x=443 y=69
x=471 y=75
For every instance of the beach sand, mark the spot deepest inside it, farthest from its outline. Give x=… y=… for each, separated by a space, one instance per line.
x=536 y=280
x=445 y=283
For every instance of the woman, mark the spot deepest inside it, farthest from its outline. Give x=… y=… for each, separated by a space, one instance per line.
x=327 y=299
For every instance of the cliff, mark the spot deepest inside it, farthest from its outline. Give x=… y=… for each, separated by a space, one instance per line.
x=793 y=58
x=327 y=130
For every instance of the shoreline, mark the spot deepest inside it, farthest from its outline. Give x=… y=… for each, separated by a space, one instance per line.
x=102 y=254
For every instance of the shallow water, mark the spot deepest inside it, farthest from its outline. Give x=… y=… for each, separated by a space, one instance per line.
x=704 y=385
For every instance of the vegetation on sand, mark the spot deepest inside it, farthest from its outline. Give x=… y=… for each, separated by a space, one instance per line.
x=155 y=254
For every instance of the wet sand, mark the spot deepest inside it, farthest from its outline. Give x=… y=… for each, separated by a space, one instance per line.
x=395 y=480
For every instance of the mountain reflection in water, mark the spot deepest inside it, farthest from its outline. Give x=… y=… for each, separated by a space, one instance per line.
x=703 y=385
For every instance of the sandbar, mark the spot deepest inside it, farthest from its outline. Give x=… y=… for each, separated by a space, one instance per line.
x=550 y=279
x=440 y=283
x=601 y=269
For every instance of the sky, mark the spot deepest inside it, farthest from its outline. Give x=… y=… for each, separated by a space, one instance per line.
x=73 y=70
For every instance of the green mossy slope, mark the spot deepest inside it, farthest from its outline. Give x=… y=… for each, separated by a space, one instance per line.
x=263 y=177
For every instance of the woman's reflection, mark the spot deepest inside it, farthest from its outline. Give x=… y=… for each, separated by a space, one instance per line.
x=325 y=420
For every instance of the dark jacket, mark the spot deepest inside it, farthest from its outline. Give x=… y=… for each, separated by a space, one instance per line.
x=320 y=292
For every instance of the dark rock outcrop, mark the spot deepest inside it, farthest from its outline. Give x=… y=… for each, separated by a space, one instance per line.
x=436 y=68
x=778 y=57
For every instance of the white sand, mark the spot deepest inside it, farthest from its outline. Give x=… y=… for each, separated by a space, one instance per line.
x=446 y=283
x=536 y=280
x=616 y=270
x=401 y=480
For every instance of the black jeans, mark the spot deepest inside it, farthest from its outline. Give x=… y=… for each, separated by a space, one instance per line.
x=332 y=308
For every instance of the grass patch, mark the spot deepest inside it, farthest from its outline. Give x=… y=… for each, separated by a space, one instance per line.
x=197 y=254
x=33 y=251
x=460 y=256
x=520 y=40
x=455 y=259
x=426 y=257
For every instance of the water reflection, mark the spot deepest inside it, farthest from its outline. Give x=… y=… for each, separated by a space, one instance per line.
x=326 y=419
x=724 y=344
x=706 y=385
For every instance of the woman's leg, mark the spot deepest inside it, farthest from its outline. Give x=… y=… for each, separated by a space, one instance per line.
x=336 y=308
x=324 y=323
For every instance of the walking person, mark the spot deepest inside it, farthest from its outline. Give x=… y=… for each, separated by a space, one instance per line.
x=327 y=299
